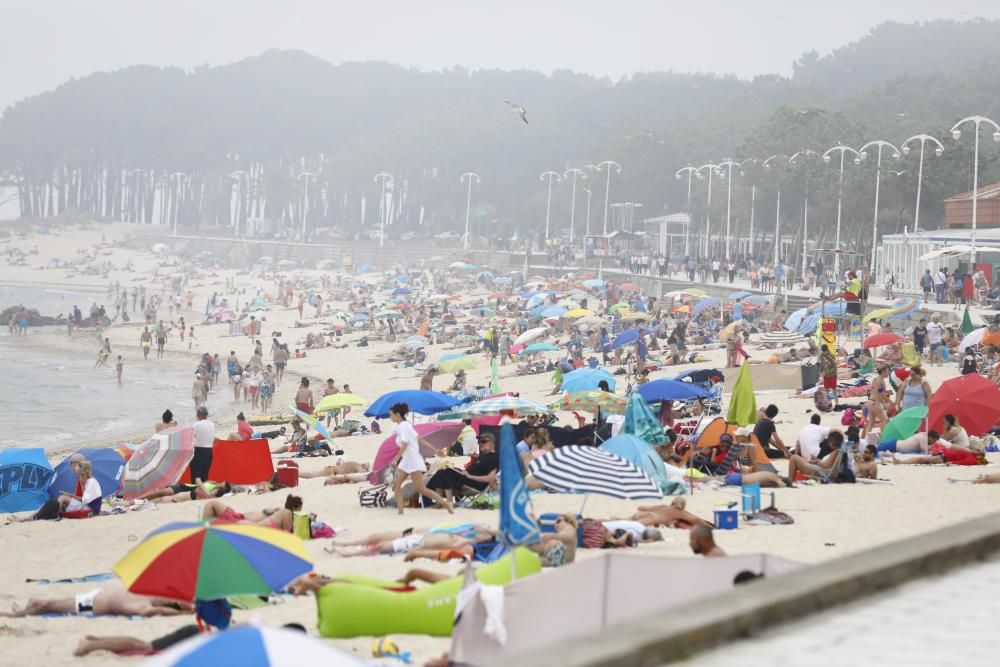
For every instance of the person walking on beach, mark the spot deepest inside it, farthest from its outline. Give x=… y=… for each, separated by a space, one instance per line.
x=204 y=440
x=104 y=354
x=409 y=462
x=119 y=367
x=146 y=342
x=191 y=338
x=304 y=397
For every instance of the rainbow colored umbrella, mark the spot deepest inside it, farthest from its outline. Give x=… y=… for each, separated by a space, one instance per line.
x=591 y=401
x=202 y=561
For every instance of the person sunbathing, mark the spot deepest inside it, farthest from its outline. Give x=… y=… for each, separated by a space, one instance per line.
x=341 y=468
x=954 y=455
x=558 y=548
x=816 y=467
x=281 y=519
x=124 y=645
x=667 y=515
x=178 y=493
x=865 y=465
x=111 y=601
x=406 y=541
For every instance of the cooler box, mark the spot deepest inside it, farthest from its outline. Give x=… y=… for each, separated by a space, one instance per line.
x=288 y=473
x=751 y=498
x=726 y=519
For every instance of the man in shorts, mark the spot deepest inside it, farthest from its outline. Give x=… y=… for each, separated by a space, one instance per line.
x=828 y=371
x=935 y=337
x=111 y=601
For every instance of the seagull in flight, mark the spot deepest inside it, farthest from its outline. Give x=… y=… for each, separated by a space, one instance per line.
x=519 y=110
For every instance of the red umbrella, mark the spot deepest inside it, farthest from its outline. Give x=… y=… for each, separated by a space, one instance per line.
x=438 y=434
x=974 y=400
x=878 y=340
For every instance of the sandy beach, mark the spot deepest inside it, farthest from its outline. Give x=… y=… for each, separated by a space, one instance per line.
x=830 y=520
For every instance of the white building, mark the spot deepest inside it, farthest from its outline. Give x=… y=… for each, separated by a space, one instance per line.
x=903 y=253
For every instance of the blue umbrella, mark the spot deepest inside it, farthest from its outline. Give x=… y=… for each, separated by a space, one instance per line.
x=639 y=306
x=555 y=311
x=641 y=422
x=627 y=337
x=517 y=524
x=740 y=295
x=420 y=401
x=831 y=309
x=704 y=305
x=808 y=325
x=401 y=290
x=107 y=465
x=25 y=474
x=670 y=390
x=355 y=319
x=795 y=319
x=593 y=283
x=535 y=300
x=639 y=453
x=540 y=347
x=758 y=299
x=453 y=355
x=587 y=379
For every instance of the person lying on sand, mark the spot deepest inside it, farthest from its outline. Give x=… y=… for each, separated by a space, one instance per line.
x=282 y=519
x=954 y=455
x=558 y=548
x=421 y=545
x=671 y=516
x=865 y=465
x=345 y=472
x=123 y=645
x=111 y=601
x=178 y=493
x=311 y=583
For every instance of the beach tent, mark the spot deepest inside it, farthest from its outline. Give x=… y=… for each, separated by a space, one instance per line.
x=25 y=474
x=238 y=462
x=606 y=590
x=712 y=433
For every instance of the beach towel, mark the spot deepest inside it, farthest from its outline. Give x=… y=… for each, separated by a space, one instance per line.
x=85 y=579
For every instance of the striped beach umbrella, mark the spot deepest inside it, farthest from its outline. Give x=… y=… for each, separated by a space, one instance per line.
x=591 y=401
x=782 y=337
x=500 y=405
x=580 y=469
x=159 y=462
x=202 y=561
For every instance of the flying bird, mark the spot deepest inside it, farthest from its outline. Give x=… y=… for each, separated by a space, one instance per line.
x=902 y=114
x=519 y=110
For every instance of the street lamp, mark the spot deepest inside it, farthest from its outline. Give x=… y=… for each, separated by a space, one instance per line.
x=805 y=208
x=548 y=202
x=905 y=148
x=177 y=176
x=777 y=218
x=690 y=171
x=842 y=149
x=471 y=176
x=306 y=175
x=728 y=162
x=956 y=135
x=385 y=178
x=880 y=144
x=572 y=207
x=608 y=164
x=587 y=232
x=239 y=175
x=712 y=169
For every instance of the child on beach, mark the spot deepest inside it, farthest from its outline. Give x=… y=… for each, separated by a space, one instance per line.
x=119 y=367
x=191 y=338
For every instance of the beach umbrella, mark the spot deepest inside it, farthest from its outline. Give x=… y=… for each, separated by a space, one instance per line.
x=335 y=402
x=254 y=646
x=587 y=379
x=517 y=526
x=159 y=462
x=972 y=338
x=25 y=475
x=782 y=337
x=670 y=390
x=593 y=283
x=463 y=363
x=704 y=305
x=416 y=341
x=451 y=355
x=389 y=315
x=740 y=295
x=203 y=561
x=554 y=311
x=794 y=321
x=879 y=314
x=401 y=290
x=483 y=311
x=540 y=347
x=439 y=435
x=743 y=403
x=639 y=453
x=627 y=337
x=879 y=340
x=357 y=319
x=535 y=300
x=905 y=424
x=589 y=320
x=974 y=400
x=966 y=328
x=591 y=401
x=580 y=469
x=578 y=312
x=530 y=335
x=620 y=306
x=635 y=316
x=501 y=405
x=627 y=286
x=641 y=422
x=108 y=467
x=569 y=304
x=421 y=401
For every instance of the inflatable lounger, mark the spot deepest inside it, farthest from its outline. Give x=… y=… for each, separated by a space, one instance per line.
x=367 y=607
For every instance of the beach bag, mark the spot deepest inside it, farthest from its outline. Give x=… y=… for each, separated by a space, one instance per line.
x=374 y=496
x=847 y=419
x=302 y=525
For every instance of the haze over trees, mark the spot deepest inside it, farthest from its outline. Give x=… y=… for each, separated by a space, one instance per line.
x=202 y=148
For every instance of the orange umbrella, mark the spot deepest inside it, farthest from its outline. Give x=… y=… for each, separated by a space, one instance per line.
x=992 y=338
x=683 y=308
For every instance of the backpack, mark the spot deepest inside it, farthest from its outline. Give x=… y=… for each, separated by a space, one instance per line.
x=374 y=496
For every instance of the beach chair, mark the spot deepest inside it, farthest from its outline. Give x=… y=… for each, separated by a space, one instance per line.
x=828 y=475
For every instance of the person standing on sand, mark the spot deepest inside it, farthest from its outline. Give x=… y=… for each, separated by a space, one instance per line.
x=330 y=390
x=304 y=397
x=191 y=338
x=280 y=361
x=198 y=390
x=204 y=440
x=146 y=342
x=409 y=462
x=119 y=367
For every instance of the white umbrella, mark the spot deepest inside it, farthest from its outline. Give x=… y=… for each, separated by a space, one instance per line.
x=530 y=335
x=579 y=469
x=973 y=338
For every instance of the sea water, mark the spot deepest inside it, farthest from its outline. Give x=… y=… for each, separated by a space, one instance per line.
x=52 y=301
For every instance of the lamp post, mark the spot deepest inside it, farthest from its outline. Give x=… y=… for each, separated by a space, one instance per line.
x=471 y=176
x=843 y=150
x=587 y=232
x=305 y=177
x=690 y=171
x=239 y=175
x=956 y=134
x=177 y=176
x=385 y=178
x=879 y=144
x=728 y=162
x=607 y=165
x=712 y=169
x=805 y=209
x=905 y=148
x=548 y=203
x=572 y=207
x=777 y=215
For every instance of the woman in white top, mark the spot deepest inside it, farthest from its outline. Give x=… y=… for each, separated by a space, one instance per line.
x=409 y=462
x=954 y=432
x=90 y=486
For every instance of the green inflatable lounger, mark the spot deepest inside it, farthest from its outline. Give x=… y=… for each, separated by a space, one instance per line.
x=366 y=607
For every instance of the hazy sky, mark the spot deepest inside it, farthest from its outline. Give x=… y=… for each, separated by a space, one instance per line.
x=45 y=42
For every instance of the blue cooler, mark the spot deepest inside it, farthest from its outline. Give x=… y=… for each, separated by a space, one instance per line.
x=726 y=518
x=751 y=498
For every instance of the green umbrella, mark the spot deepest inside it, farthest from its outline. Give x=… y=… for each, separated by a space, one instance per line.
x=641 y=422
x=743 y=403
x=966 y=327
x=905 y=423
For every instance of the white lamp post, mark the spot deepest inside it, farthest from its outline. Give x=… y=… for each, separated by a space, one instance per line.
x=470 y=176
x=690 y=171
x=805 y=209
x=777 y=214
x=548 y=203
x=587 y=232
x=712 y=169
x=842 y=149
x=728 y=162
x=607 y=165
x=880 y=144
x=178 y=176
x=905 y=148
x=957 y=134
x=305 y=177
x=572 y=207
x=385 y=178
